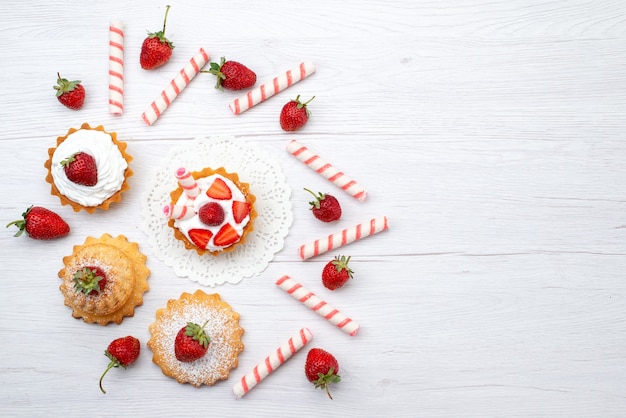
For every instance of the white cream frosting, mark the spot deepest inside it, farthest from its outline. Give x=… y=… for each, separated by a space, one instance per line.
x=184 y=225
x=109 y=162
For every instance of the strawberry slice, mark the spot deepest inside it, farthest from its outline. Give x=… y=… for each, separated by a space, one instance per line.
x=200 y=237
x=219 y=190
x=226 y=236
x=240 y=210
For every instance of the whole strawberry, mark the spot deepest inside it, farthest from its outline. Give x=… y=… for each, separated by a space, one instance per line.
x=90 y=280
x=325 y=207
x=211 y=214
x=81 y=168
x=122 y=352
x=336 y=273
x=191 y=342
x=232 y=75
x=156 y=49
x=322 y=369
x=295 y=114
x=70 y=93
x=41 y=223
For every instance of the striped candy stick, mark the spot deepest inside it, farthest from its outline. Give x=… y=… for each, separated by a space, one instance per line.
x=344 y=237
x=175 y=87
x=272 y=362
x=178 y=212
x=116 y=67
x=317 y=305
x=265 y=91
x=326 y=170
x=187 y=182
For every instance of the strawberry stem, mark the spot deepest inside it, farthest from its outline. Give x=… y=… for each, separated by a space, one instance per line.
x=167 y=10
x=109 y=367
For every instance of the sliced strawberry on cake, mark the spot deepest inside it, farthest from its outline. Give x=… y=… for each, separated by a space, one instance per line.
x=240 y=210
x=227 y=235
x=219 y=190
x=200 y=237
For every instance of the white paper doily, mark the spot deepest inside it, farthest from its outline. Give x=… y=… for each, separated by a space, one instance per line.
x=273 y=205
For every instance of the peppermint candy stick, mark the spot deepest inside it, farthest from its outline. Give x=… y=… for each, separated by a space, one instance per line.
x=116 y=67
x=344 y=237
x=265 y=91
x=175 y=87
x=272 y=362
x=326 y=170
x=317 y=305
x=178 y=212
x=187 y=182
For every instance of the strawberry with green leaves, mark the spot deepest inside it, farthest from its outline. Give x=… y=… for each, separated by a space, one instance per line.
x=81 y=168
x=294 y=114
x=41 y=223
x=231 y=75
x=336 y=273
x=70 y=94
x=90 y=280
x=156 y=49
x=121 y=352
x=325 y=207
x=191 y=342
x=321 y=368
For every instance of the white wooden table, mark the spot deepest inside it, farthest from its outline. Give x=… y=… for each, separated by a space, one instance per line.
x=491 y=134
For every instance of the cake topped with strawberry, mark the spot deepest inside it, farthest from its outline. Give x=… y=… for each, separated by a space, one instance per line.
x=211 y=211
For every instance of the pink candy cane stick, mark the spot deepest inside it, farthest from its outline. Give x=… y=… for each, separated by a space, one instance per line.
x=116 y=68
x=344 y=237
x=317 y=305
x=175 y=87
x=178 y=212
x=272 y=362
x=326 y=170
x=265 y=91
x=187 y=182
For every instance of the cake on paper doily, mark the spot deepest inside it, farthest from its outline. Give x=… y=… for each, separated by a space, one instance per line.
x=273 y=207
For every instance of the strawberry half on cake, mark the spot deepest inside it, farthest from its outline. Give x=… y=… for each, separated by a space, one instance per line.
x=211 y=210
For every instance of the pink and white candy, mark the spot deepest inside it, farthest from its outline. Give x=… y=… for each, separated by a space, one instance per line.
x=265 y=91
x=116 y=67
x=326 y=170
x=187 y=182
x=175 y=87
x=317 y=305
x=272 y=362
x=178 y=212
x=343 y=237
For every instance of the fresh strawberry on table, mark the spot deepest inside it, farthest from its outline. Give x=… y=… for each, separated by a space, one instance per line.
x=70 y=93
x=41 y=223
x=325 y=207
x=156 y=49
x=81 y=168
x=191 y=342
x=231 y=75
x=295 y=114
x=321 y=368
x=336 y=273
x=122 y=352
x=90 y=280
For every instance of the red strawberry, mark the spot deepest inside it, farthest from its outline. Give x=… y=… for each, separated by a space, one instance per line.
x=90 y=280
x=336 y=273
x=321 y=368
x=227 y=235
x=211 y=214
x=156 y=49
x=295 y=114
x=200 y=237
x=219 y=190
x=325 y=207
x=191 y=342
x=240 y=210
x=41 y=223
x=122 y=352
x=70 y=93
x=232 y=75
x=81 y=168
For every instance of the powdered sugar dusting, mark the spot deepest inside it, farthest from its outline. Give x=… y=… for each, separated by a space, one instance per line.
x=222 y=327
